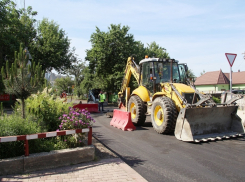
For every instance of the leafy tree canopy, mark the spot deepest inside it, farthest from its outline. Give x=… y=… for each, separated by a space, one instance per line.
x=154 y=50
x=62 y=84
x=16 y=27
x=77 y=70
x=109 y=53
x=202 y=73
x=52 y=47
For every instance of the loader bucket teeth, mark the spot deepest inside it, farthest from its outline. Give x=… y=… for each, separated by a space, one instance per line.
x=208 y=123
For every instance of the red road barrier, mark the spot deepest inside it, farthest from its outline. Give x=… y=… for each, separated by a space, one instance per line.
x=46 y=135
x=89 y=107
x=122 y=120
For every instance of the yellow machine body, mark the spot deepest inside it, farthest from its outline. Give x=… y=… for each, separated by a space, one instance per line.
x=177 y=107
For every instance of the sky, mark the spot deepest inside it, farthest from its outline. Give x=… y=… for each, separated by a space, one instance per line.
x=196 y=32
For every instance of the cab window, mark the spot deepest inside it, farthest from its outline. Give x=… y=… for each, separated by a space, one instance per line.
x=182 y=73
x=147 y=75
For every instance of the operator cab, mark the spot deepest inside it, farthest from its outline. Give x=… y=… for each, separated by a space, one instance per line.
x=154 y=71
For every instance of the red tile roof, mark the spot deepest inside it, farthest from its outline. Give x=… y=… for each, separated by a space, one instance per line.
x=218 y=77
x=237 y=77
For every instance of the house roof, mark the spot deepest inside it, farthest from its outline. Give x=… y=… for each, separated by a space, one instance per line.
x=237 y=77
x=218 y=77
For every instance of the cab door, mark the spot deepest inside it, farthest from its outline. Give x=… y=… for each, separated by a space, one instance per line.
x=183 y=72
x=147 y=73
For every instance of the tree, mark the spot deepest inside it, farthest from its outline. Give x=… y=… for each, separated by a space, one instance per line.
x=108 y=55
x=22 y=79
x=89 y=82
x=202 y=73
x=63 y=83
x=16 y=26
x=154 y=50
x=77 y=71
x=190 y=74
x=52 y=47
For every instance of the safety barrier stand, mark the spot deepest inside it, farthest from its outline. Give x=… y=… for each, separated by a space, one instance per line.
x=46 y=135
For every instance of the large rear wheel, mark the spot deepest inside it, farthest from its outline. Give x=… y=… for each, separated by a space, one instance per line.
x=163 y=115
x=137 y=109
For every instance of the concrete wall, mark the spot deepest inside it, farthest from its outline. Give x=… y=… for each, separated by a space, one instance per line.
x=46 y=160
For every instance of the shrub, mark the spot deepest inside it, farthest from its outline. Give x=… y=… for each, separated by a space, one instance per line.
x=76 y=119
x=216 y=100
x=48 y=108
x=13 y=125
x=44 y=114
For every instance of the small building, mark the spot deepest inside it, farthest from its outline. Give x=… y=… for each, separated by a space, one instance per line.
x=217 y=81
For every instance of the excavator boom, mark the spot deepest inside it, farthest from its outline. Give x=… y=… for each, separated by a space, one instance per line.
x=131 y=68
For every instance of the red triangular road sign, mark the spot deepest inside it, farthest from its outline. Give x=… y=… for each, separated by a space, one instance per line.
x=231 y=58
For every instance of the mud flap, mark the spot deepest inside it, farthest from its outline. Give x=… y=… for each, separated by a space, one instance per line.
x=195 y=124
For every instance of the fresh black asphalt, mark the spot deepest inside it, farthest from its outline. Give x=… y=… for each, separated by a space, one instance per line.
x=164 y=158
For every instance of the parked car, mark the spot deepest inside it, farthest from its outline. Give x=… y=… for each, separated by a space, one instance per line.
x=238 y=91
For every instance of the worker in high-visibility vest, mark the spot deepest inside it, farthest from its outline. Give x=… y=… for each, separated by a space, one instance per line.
x=101 y=100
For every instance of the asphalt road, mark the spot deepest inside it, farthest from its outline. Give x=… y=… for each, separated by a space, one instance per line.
x=164 y=158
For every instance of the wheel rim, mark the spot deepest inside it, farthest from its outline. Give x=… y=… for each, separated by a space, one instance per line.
x=133 y=110
x=158 y=115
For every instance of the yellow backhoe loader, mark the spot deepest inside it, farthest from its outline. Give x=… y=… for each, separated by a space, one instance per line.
x=175 y=106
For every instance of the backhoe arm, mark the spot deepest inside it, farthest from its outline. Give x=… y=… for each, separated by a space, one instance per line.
x=131 y=68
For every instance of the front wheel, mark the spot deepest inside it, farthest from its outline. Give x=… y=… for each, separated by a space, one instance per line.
x=137 y=109
x=163 y=115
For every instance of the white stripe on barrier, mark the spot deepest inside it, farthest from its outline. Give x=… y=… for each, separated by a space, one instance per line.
x=85 y=130
x=35 y=136
x=9 y=139
x=51 y=134
x=70 y=132
x=30 y=137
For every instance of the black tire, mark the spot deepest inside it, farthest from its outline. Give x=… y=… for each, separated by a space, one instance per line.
x=138 y=109
x=163 y=115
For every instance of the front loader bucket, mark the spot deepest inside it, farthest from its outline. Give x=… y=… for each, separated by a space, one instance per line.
x=208 y=123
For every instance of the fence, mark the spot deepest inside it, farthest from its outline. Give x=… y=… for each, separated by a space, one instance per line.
x=46 y=135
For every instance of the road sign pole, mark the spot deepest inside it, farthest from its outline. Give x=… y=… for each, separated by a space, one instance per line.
x=231 y=81
x=231 y=58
